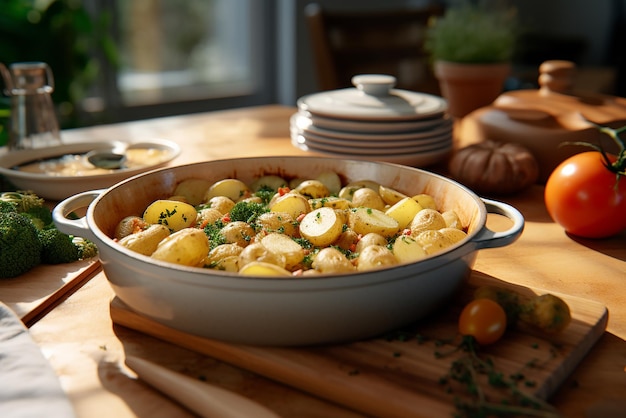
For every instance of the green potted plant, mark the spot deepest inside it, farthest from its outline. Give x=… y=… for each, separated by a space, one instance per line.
x=471 y=46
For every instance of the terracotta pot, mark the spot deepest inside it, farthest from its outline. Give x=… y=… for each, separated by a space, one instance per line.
x=468 y=87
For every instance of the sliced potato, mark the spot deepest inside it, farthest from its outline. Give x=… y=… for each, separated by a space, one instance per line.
x=259 y=268
x=171 y=213
x=231 y=188
x=348 y=190
x=366 y=220
x=407 y=249
x=425 y=200
x=389 y=195
x=146 y=242
x=404 y=211
x=292 y=203
x=321 y=227
x=193 y=190
x=189 y=247
x=283 y=245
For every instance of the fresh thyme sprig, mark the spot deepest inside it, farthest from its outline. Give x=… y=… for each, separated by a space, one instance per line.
x=467 y=370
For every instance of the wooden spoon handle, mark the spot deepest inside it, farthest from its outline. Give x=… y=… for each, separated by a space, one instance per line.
x=202 y=398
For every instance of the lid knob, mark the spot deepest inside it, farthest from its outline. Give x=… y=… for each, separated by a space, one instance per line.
x=374 y=84
x=556 y=76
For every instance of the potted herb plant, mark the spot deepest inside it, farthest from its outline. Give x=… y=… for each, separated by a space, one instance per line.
x=471 y=46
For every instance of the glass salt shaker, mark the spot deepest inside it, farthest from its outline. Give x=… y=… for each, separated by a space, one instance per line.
x=34 y=122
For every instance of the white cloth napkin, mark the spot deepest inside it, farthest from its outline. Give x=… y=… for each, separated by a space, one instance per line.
x=29 y=388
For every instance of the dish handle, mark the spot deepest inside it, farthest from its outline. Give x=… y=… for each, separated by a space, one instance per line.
x=486 y=238
x=78 y=227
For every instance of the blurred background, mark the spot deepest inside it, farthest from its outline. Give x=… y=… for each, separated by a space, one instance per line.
x=119 y=60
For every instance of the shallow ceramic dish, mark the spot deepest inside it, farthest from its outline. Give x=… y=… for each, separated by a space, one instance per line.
x=366 y=126
x=279 y=311
x=58 y=187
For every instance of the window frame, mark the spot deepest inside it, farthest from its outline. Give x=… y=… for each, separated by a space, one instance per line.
x=105 y=104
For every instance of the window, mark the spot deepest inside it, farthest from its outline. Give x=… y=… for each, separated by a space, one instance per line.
x=181 y=57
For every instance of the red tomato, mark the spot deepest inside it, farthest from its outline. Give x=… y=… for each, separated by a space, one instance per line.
x=581 y=196
x=483 y=319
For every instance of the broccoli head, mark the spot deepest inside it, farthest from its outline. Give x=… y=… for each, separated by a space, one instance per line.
x=57 y=247
x=29 y=204
x=20 y=248
x=86 y=249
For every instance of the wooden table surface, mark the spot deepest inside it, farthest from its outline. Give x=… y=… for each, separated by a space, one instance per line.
x=87 y=351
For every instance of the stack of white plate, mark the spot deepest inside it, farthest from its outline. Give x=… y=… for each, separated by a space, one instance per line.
x=374 y=122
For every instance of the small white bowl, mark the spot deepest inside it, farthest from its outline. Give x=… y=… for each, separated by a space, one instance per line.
x=59 y=187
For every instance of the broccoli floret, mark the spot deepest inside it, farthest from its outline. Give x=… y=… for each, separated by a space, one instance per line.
x=7 y=207
x=57 y=247
x=86 y=249
x=29 y=204
x=20 y=248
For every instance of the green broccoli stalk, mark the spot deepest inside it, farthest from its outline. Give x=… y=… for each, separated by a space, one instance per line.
x=20 y=248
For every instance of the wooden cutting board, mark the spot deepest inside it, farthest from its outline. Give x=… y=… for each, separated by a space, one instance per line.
x=37 y=291
x=400 y=377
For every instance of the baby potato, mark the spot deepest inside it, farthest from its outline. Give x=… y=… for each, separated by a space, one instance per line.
x=331 y=180
x=237 y=232
x=455 y=235
x=389 y=195
x=171 y=213
x=313 y=189
x=230 y=263
x=292 y=203
x=284 y=246
x=425 y=200
x=221 y=203
x=348 y=190
x=188 y=247
x=193 y=190
x=452 y=219
x=277 y=222
x=404 y=211
x=268 y=182
x=407 y=249
x=221 y=252
x=347 y=240
x=367 y=198
x=129 y=225
x=375 y=257
x=427 y=219
x=321 y=227
x=259 y=268
x=366 y=220
x=370 y=239
x=433 y=241
x=231 y=188
x=259 y=252
x=208 y=216
x=331 y=260
x=146 y=242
